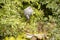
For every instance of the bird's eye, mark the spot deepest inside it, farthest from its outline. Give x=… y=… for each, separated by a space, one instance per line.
x=2 y=4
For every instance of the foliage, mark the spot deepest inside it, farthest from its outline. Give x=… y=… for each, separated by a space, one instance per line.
x=13 y=21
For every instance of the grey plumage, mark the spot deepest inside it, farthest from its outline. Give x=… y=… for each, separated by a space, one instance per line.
x=27 y=12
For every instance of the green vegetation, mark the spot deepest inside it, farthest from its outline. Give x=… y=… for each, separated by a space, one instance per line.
x=13 y=22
